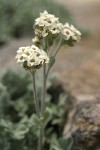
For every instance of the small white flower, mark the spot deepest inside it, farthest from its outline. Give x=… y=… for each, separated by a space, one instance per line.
x=35 y=48
x=67 y=33
x=44 y=14
x=40 y=22
x=35 y=40
x=75 y=30
x=66 y=25
x=77 y=33
x=45 y=32
x=45 y=57
x=60 y=26
x=31 y=57
x=54 y=29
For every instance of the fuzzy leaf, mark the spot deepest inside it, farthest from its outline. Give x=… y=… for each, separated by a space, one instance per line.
x=47 y=116
x=54 y=147
x=20 y=131
x=66 y=144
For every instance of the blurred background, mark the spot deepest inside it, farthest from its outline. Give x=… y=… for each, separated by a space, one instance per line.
x=77 y=68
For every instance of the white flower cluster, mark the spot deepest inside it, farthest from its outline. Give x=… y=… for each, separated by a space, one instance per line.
x=70 y=32
x=48 y=23
x=31 y=57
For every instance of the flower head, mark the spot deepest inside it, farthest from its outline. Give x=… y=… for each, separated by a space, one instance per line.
x=45 y=24
x=31 y=57
x=70 y=33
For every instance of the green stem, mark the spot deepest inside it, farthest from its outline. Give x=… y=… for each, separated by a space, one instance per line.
x=40 y=144
x=40 y=141
x=35 y=95
x=37 y=110
x=60 y=45
x=44 y=90
x=57 y=50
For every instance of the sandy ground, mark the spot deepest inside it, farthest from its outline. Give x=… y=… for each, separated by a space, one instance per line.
x=78 y=67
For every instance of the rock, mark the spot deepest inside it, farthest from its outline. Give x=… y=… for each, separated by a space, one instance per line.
x=85 y=128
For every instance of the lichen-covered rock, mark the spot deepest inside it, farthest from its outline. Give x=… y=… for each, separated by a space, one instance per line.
x=85 y=129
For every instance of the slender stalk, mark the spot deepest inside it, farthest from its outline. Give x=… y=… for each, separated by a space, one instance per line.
x=37 y=110
x=44 y=90
x=35 y=95
x=57 y=50
x=40 y=144
x=40 y=140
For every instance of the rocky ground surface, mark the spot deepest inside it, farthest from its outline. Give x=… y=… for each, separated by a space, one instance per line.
x=78 y=67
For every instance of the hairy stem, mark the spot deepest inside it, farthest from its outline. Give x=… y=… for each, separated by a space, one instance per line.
x=44 y=90
x=40 y=144
x=54 y=55
x=40 y=141
x=35 y=96
x=57 y=50
x=37 y=111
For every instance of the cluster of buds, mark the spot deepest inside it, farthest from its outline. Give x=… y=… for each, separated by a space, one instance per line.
x=47 y=27
x=31 y=57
